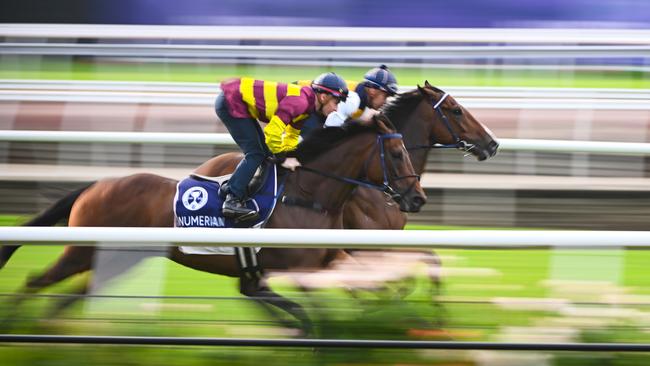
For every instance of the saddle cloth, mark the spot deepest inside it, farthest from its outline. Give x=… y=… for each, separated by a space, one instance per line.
x=198 y=204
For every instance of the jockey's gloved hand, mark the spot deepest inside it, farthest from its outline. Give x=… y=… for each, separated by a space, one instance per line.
x=291 y=163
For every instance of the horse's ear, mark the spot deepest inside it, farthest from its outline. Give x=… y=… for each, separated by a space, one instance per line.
x=383 y=123
x=422 y=91
x=427 y=85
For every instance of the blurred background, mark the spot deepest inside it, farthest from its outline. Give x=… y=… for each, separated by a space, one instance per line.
x=577 y=71
x=363 y=13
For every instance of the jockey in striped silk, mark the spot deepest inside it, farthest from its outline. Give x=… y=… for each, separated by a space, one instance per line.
x=283 y=107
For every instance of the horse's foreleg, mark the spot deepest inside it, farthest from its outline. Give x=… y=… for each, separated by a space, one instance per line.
x=433 y=271
x=255 y=288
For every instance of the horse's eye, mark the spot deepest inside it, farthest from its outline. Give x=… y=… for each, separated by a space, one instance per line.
x=457 y=112
x=397 y=155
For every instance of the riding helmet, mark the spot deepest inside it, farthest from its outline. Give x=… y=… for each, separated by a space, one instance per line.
x=332 y=84
x=381 y=78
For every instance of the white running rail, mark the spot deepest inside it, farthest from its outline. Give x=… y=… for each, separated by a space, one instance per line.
x=318 y=238
x=337 y=34
x=172 y=138
x=204 y=94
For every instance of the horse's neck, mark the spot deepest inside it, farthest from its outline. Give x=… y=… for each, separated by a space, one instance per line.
x=416 y=132
x=348 y=161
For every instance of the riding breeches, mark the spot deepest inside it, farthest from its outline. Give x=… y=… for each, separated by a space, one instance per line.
x=249 y=136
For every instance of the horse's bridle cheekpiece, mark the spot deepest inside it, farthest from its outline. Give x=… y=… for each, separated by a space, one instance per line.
x=458 y=143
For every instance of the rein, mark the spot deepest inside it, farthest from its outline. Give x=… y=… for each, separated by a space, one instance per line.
x=458 y=142
x=384 y=187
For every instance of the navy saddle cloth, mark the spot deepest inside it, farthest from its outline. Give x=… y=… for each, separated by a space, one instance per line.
x=198 y=202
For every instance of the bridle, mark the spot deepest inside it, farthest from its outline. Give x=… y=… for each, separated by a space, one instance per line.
x=385 y=186
x=458 y=143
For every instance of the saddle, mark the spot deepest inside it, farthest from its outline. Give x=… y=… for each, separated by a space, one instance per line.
x=199 y=199
x=198 y=203
x=256 y=183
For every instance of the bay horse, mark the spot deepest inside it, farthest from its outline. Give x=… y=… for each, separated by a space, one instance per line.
x=334 y=160
x=427 y=117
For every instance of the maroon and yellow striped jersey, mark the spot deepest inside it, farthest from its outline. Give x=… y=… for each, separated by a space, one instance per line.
x=259 y=99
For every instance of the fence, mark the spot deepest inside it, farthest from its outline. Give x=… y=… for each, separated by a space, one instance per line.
x=203 y=94
x=365 y=53
x=556 y=146
x=116 y=237
x=311 y=238
x=338 y=34
x=323 y=343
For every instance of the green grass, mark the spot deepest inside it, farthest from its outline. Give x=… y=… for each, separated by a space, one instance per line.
x=11 y=220
x=474 y=278
x=14 y=67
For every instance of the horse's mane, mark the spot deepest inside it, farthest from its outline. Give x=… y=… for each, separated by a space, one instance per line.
x=398 y=109
x=325 y=139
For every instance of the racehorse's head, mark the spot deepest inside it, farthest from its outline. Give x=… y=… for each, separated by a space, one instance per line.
x=452 y=125
x=394 y=167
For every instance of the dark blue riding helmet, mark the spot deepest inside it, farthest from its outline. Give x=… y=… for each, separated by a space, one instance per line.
x=381 y=78
x=332 y=84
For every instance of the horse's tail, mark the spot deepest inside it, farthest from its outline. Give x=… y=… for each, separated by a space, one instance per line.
x=51 y=216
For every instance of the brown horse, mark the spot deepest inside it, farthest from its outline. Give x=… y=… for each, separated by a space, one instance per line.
x=427 y=118
x=143 y=200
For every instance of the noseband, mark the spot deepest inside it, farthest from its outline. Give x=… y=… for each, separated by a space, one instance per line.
x=458 y=143
x=396 y=196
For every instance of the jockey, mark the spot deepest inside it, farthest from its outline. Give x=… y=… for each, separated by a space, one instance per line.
x=366 y=98
x=283 y=107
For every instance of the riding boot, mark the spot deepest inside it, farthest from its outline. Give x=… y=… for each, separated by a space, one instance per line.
x=235 y=208
x=224 y=189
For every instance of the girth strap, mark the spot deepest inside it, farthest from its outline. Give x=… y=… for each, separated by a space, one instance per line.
x=300 y=202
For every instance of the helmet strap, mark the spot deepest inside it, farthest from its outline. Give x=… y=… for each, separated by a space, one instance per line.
x=319 y=103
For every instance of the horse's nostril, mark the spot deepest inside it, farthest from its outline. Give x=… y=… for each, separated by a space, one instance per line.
x=419 y=201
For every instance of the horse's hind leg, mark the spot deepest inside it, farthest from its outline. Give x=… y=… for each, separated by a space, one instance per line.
x=67 y=301
x=108 y=265
x=73 y=261
x=255 y=288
